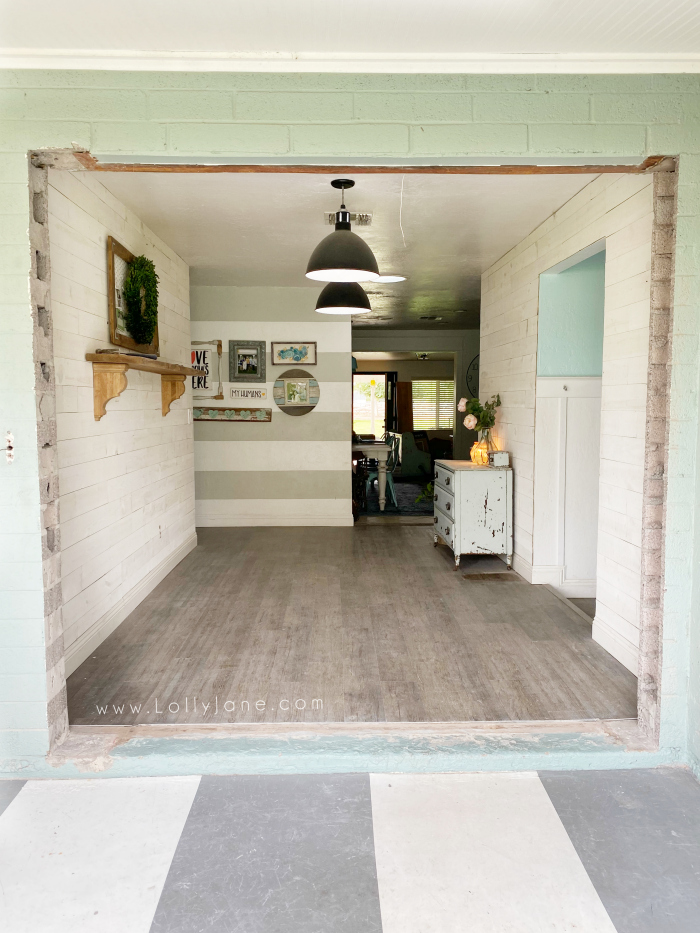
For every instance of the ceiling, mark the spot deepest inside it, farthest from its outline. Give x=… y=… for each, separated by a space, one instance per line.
x=352 y=35
x=442 y=231
x=378 y=355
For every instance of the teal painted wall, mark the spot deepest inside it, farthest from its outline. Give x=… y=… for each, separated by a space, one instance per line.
x=570 y=320
x=347 y=118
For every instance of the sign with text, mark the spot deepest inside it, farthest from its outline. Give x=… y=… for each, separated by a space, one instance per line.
x=206 y=357
x=252 y=393
x=201 y=360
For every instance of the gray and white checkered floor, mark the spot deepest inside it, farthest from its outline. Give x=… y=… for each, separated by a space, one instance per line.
x=591 y=852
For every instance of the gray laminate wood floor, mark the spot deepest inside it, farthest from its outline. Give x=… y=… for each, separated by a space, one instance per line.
x=364 y=624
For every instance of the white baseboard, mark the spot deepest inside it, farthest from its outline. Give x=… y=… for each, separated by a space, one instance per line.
x=547 y=574
x=578 y=589
x=82 y=647
x=554 y=575
x=522 y=567
x=616 y=645
x=265 y=513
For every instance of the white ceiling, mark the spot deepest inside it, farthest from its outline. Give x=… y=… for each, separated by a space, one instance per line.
x=260 y=229
x=353 y=35
x=377 y=355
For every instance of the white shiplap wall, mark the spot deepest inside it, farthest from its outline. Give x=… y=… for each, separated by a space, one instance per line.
x=126 y=482
x=617 y=209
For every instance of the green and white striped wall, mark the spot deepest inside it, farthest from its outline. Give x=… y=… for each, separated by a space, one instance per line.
x=290 y=471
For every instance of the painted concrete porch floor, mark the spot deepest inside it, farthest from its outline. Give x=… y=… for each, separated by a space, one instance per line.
x=364 y=624
x=594 y=852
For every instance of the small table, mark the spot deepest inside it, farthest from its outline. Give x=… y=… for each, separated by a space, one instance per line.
x=375 y=450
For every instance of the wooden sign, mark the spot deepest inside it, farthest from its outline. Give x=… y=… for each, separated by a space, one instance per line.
x=232 y=414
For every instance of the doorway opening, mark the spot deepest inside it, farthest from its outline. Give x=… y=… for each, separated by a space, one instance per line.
x=418 y=396
x=284 y=609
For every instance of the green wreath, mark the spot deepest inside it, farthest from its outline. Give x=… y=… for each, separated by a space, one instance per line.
x=140 y=291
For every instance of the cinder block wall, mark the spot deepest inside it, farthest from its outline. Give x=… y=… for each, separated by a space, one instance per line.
x=343 y=117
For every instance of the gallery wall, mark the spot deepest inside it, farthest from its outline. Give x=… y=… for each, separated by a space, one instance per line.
x=125 y=482
x=291 y=470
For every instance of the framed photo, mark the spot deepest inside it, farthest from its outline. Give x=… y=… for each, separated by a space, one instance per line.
x=118 y=260
x=246 y=360
x=296 y=391
x=206 y=357
x=286 y=354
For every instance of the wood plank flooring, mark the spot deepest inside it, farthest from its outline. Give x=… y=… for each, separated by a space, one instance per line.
x=364 y=624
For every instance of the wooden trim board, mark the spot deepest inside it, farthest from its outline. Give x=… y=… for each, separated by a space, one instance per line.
x=92 y=164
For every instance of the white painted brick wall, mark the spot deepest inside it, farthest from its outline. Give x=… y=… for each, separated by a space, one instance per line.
x=618 y=209
x=126 y=481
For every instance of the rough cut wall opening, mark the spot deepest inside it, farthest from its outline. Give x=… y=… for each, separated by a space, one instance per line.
x=656 y=451
x=656 y=448
x=45 y=389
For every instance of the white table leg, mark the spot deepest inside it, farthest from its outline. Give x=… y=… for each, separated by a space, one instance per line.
x=381 y=478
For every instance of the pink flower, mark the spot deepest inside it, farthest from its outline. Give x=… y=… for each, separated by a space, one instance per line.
x=470 y=422
x=462 y=405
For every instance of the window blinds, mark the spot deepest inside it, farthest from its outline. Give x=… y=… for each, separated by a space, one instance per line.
x=433 y=404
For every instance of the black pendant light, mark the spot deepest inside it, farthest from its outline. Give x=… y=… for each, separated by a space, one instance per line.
x=342 y=256
x=343 y=298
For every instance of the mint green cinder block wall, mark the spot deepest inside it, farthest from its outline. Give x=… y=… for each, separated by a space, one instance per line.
x=349 y=118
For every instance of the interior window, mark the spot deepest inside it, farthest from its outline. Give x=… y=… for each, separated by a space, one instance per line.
x=433 y=404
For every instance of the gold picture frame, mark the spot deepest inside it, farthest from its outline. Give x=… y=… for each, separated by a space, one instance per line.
x=118 y=259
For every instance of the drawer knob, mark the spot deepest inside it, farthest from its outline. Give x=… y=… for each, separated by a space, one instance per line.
x=435 y=519
x=447 y=481
x=435 y=498
x=436 y=474
x=447 y=506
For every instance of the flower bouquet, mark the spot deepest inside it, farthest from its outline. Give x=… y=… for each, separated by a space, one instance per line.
x=482 y=418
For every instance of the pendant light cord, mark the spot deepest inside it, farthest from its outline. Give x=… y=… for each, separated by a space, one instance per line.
x=401 y=213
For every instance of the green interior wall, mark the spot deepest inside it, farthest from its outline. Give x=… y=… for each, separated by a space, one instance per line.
x=351 y=118
x=570 y=320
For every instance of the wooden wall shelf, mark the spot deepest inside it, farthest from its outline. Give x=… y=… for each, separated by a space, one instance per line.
x=109 y=378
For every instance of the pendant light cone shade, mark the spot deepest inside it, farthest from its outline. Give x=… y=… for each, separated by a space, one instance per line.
x=343 y=298
x=342 y=256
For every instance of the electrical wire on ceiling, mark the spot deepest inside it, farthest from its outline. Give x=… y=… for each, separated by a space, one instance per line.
x=401 y=214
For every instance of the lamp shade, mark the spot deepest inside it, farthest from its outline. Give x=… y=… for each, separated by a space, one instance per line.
x=342 y=256
x=343 y=298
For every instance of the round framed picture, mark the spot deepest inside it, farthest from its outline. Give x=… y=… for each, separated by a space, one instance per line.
x=296 y=392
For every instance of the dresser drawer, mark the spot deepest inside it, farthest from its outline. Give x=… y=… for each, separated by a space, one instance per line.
x=445 y=528
x=444 y=478
x=444 y=501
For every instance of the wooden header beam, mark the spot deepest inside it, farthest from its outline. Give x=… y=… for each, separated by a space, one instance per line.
x=89 y=162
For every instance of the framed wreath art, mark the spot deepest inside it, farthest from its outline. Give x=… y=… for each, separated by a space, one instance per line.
x=132 y=299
